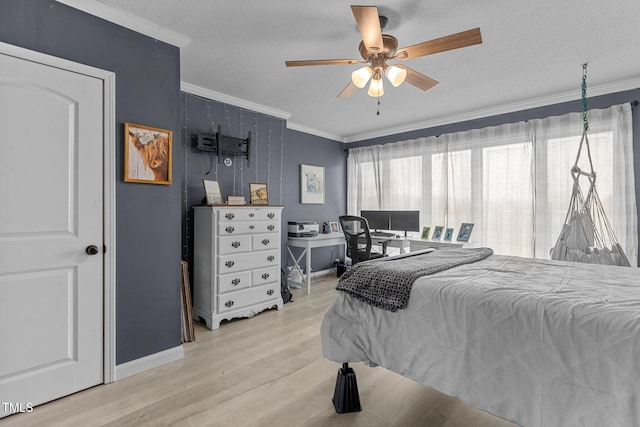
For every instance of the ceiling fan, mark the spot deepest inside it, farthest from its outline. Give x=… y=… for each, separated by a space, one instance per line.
x=377 y=48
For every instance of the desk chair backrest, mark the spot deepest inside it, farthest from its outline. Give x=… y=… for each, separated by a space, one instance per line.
x=358 y=236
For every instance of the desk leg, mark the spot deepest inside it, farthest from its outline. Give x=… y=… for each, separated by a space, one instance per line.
x=296 y=266
x=308 y=267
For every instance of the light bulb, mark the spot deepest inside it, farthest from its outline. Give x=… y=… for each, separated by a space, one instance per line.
x=375 y=88
x=361 y=76
x=396 y=75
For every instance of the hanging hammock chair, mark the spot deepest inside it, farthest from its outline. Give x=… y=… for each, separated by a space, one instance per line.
x=587 y=235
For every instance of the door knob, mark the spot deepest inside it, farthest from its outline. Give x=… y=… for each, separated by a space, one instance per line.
x=92 y=250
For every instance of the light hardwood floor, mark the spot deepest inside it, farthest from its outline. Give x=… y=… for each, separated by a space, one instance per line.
x=264 y=371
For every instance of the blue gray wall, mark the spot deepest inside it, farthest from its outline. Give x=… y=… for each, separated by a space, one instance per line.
x=275 y=157
x=147 y=216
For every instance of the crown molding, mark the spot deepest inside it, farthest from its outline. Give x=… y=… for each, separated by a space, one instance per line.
x=128 y=20
x=316 y=132
x=227 y=99
x=604 y=89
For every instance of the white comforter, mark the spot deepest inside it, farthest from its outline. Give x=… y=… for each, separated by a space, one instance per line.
x=540 y=343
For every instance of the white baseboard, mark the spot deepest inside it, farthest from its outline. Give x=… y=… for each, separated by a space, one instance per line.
x=151 y=361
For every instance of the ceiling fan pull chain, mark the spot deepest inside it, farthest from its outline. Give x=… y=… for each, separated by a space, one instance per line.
x=378 y=112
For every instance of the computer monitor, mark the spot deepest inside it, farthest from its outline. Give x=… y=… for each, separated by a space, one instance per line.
x=378 y=220
x=404 y=221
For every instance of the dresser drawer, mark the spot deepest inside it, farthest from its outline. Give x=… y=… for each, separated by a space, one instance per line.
x=248 y=214
x=246 y=297
x=230 y=228
x=247 y=261
x=234 y=281
x=262 y=276
x=266 y=241
x=234 y=244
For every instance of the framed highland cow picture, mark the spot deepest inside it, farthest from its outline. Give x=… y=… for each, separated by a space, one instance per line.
x=147 y=154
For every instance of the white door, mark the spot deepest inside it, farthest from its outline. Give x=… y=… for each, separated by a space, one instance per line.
x=51 y=221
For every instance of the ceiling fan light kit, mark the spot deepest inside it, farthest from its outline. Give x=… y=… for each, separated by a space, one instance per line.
x=377 y=48
x=361 y=76
x=376 y=88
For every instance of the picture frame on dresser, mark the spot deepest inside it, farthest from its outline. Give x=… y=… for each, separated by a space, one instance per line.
x=212 y=192
x=425 y=232
x=259 y=193
x=437 y=232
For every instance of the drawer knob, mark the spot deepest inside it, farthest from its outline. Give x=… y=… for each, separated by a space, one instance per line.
x=235 y=244
x=270 y=292
x=229 y=263
x=251 y=227
x=271 y=227
x=271 y=215
x=265 y=241
x=235 y=282
x=271 y=258
x=228 y=303
x=229 y=229
x=229 y=215
x=251 y=215
x=265 y=276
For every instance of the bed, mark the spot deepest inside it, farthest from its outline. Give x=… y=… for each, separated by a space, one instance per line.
x=540 y=343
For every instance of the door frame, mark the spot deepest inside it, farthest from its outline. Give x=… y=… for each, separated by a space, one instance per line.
x=109 y=180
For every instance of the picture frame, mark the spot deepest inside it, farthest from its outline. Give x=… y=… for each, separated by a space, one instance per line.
x=465 y=232
x=425 y=232
x=147 y=154
x=334 y=227
x=258 y=193
x=437 y=232
x=448 y=235
x=212 y=192
x=311 y=184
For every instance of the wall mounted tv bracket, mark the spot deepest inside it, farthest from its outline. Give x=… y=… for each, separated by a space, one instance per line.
x=223 y=145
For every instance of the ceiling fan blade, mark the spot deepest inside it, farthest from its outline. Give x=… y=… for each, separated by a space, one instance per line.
x=305 y=63
x=417 y=79
x=442 y=44
x=369 y=26
x=348 y=90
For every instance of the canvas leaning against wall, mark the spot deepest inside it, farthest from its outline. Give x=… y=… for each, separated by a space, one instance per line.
x=147 y=154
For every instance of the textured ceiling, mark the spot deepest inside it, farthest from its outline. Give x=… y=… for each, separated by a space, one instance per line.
x=531 y=55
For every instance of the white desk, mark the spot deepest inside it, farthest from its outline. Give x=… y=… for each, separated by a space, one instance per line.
x=417 y=244
x=308 y=243
x=401 y=243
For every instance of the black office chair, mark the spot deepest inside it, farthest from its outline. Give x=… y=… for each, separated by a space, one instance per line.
x=356 y=232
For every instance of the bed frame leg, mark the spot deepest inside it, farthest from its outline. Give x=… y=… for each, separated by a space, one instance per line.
x=345 y=397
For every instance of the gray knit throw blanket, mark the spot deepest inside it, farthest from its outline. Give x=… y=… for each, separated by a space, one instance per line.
x=386 y=282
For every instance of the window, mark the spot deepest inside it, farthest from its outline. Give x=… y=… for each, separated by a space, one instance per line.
x=512 y=181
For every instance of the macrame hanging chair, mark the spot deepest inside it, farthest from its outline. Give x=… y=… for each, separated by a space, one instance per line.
x=587 y=235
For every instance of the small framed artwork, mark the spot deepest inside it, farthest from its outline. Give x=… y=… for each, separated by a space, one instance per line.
x=147 y=154
x=259 y=193
x=448 y=235
x=437 y=232
x=425 y=232
x=212 y=192
x=333 y=226
x=465 y=232
x=311 y=184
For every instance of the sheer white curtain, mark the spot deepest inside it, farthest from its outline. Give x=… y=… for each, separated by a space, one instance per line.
x=512 y=181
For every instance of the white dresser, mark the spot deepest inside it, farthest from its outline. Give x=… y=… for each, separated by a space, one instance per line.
x=236 y=261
